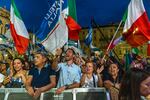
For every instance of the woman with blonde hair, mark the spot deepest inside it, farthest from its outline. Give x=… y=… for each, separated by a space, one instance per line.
x=91 y=79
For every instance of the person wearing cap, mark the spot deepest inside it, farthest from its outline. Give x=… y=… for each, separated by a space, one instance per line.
x=41 y=77
x=70 y=73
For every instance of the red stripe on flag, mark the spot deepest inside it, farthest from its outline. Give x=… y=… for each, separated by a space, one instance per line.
x=21 y=43
x=73 y=27
x=51 y=33
x=139 y=33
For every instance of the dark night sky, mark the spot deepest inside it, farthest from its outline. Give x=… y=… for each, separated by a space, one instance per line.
x=103 y=11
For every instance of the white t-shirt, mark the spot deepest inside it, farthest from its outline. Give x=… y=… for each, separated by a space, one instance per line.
x=89 y=83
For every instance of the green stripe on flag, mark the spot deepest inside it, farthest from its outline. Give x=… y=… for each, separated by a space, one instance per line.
x=72 y=9
x=15 y=9
x=125 y=16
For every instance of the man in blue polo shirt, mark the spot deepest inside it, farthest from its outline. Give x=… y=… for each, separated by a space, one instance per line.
x=41 y=77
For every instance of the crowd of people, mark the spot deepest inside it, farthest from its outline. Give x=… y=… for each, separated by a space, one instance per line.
x=69 y=70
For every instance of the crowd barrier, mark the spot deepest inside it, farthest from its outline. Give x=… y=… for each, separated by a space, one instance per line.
x=71 y=94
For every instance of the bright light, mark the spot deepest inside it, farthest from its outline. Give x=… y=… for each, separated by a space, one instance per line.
x=135 y=30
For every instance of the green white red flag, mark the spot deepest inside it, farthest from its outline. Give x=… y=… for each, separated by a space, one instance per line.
x=18 y=29
x=136 y=30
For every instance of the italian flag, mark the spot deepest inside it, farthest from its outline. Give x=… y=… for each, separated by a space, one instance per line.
x=18 y=30
x=136 y=30
x=71 y=21
x=73 y=28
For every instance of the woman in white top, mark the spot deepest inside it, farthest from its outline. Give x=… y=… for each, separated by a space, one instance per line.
x=89 y=79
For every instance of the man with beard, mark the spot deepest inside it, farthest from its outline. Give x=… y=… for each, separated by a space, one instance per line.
x=41 y=77
x=70 y=73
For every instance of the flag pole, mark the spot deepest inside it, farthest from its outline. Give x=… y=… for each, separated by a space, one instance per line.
x=105 y=38
x=112 y=40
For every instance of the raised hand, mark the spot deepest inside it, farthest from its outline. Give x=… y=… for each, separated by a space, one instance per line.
x=100 y=69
